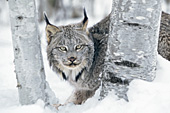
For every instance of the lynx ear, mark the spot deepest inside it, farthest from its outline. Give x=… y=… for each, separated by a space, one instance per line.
x=85 y=20
x=51 y=30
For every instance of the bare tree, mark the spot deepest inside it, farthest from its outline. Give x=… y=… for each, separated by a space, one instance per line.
x=54 y=8
x=27 y=51
x=126 y=44
x=65 y=9
x=166 y=4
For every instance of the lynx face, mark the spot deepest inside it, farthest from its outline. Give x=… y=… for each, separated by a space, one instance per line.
x=70 y=50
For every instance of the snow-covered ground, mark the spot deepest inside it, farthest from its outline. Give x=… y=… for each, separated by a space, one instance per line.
x=144 y=97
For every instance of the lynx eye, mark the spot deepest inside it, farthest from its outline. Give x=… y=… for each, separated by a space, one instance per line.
x=63 y=49
x=78 y=47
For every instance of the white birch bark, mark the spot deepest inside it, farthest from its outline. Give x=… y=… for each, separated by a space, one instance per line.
x=131 y=45
x=27 y=51
x=133 y=38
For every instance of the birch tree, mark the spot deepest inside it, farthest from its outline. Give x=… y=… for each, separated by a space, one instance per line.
x=28 y=62
x=126 y=44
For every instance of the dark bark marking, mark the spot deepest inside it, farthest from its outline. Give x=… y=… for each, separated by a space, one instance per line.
x=20 y=17
x=127 y=64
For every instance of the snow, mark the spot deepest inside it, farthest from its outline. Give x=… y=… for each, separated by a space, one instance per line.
x=144 y=97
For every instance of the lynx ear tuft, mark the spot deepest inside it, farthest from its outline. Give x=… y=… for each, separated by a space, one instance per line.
x=46 y=19
x=51 y=30
x=85 y=20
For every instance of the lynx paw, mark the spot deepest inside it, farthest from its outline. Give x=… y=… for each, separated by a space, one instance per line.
x=57 y=105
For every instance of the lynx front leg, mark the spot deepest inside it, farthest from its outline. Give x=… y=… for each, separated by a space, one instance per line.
x=77 y=97
x=80 y=96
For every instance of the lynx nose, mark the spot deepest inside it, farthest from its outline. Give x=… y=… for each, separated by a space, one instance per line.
x=72 y=59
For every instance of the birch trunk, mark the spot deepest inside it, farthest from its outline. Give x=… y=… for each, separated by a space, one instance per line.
x=126 y=44
x=132 y=41
x=27 y=51
x=133 y=38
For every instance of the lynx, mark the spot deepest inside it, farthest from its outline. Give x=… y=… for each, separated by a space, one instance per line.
x=70 y=52
x=164 y=36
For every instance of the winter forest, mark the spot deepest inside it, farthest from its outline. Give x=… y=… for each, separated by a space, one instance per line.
x=128 y=66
